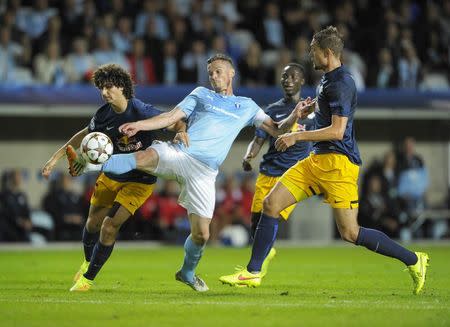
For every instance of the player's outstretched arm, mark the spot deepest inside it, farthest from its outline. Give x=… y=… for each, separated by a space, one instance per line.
x=74 y=141
x=334 y=132
x=164 y=120
x=301 y=110
x=252 y=151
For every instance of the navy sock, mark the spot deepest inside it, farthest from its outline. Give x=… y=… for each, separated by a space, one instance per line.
x=265 y=235
x=89 y=240
x=120 y=164
x=379 y=242
x=99 y=256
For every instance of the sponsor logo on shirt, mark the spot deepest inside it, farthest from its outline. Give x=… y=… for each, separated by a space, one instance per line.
x=128 y=144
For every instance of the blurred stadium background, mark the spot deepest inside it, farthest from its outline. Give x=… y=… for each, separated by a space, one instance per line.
x=398 y=52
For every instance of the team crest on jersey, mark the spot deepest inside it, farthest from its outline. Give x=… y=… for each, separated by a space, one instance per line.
x=237 y=105
x=128 y=144
x=92 y=124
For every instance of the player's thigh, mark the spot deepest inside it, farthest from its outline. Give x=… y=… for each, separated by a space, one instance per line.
x=147 y=160
x=132 y=195
x=102 y=199
x=116 y=216
x=263 y=186
x=278 y=199
x=338 y=180
x=95 y=217
x=199 y=227
x=347 y=223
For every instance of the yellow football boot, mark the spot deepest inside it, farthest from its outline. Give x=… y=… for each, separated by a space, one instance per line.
x=265 y=265
x=83 y=268
x=82 y=285
x=418 y=271
x=242 y=278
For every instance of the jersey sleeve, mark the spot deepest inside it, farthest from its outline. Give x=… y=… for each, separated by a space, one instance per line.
x=92 y=127
x=148 y=111
x=340 y=96
x=188 y=104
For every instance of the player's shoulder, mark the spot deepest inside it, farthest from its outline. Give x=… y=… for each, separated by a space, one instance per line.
x=344 y=79
x=139 y=104
x=246 y=102
x=276 y=105
x=200 y=90
x=103 y=110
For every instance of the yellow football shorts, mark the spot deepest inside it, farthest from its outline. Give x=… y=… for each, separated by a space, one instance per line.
x=263 y=186
x=330 y=174
x=130 y=195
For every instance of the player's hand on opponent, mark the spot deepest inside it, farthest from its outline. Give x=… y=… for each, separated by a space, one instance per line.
x=285 y=141
x=181 y=137
x=48 y=167
x=305 y=107
x=246 y=165
x=130 y=129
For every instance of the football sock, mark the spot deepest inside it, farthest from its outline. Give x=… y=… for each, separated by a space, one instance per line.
x=120 y=164
x=379 y=242
x=89 y=240
x=265 y=235
x=99 y=256
x=192 y=255
x=255 y=220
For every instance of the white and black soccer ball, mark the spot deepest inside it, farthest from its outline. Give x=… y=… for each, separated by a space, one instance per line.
x=96 y=148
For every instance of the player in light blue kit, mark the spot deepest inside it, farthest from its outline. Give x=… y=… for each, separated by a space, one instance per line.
x=214 y=119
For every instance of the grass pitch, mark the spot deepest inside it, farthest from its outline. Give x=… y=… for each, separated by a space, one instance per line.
x=333 y=286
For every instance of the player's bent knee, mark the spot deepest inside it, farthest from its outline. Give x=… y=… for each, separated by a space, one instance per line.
x=109 y=229
x=200 y=237
x=93 y=225
x=349 y=235
x=270 y=207
x=146 y=159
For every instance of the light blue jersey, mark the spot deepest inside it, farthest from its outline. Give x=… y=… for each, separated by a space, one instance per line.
x=214 y=121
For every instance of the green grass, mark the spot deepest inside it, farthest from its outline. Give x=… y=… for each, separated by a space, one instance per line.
x=338 y=286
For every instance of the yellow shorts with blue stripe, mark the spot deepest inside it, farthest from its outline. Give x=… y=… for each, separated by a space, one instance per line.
x=330 y=174
x=130 y=195
x=263 y=186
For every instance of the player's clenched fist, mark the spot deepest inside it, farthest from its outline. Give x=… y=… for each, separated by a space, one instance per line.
x=130 y=129
x=285 y=141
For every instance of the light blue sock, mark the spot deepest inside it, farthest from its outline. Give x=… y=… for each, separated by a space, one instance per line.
x=120 y=164
x=192 y=256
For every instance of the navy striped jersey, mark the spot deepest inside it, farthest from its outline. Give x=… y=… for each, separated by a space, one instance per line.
x=275 y=163
x=107 y=121
x=336 y=95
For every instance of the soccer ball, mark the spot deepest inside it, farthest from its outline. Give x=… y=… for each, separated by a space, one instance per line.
x=96 y=148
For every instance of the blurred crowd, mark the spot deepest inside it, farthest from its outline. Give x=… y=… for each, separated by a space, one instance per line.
x=65 y=207
x=392 y=199
x=389 y=44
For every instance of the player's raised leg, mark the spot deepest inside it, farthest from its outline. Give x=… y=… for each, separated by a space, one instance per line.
x=376 y=241
x=193 y=251
x=278 y=199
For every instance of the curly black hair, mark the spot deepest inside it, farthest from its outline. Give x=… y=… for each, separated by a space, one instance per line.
x=113 y=75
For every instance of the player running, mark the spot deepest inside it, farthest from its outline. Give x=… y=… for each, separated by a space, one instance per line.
x=275 y=163
x=214 y=118
x=116 y=196
x=332 y=170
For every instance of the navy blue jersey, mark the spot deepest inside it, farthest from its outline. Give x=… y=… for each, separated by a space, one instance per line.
x=275 y=163
x=337 y=96
x=107 y=121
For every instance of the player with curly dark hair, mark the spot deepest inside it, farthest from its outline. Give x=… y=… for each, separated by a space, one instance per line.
x=116 y=196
